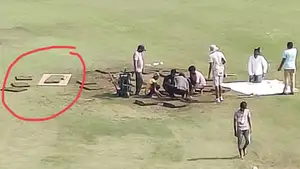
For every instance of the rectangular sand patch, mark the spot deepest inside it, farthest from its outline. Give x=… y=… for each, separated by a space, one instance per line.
x=14 y=89
x=86 y=83
x=20 y=84
x=23 y=77
x=55 y=80
x=107 y=71
x=92 y=87
x=174 y=104
x=145 y=102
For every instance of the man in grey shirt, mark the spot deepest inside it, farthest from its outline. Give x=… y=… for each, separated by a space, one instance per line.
x=182 y=85
x=242 y=127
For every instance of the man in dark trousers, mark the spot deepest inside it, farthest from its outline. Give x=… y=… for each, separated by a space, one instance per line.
x=138 y=63
x=242 y=128
x=169 y=83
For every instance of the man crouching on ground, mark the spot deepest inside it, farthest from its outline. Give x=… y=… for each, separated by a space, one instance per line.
x=169 y=83
x=216 y=66
x=197 y=80
x=182 y=86
x=153 y=87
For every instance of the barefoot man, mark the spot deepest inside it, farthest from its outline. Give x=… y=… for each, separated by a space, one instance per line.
x=242 y=128
x=153 y=87
x=197 y=79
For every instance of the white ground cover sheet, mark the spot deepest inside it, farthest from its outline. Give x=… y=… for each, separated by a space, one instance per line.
x=266 y=87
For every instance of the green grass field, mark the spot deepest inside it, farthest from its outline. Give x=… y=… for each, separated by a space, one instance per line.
x=114 y=134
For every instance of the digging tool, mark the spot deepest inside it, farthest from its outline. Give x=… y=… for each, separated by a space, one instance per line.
x=113 y=82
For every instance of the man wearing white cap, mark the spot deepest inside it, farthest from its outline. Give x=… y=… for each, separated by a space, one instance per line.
x=216 y=67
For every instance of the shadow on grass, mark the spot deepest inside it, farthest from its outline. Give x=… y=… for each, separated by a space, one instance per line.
x=214 y=158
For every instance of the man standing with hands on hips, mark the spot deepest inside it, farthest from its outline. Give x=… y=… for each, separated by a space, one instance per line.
x=288 y=62
x=138 y=63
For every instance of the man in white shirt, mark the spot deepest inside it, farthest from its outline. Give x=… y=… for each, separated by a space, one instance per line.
x=288 y=62
x=217 y=68
x=138 y=63
x=257 y=67
x=197 y=80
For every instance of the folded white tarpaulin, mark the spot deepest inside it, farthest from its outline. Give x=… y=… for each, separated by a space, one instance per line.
x=266 y=87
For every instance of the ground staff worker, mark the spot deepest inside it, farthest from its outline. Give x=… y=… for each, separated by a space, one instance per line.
x=217 y=63
x=242 y=126
x=288 y=62
x=138 y=63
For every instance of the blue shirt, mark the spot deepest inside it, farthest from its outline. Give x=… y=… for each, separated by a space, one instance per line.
x=290 y=58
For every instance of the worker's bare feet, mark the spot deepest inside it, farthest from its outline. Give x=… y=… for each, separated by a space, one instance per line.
x=245 y=152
